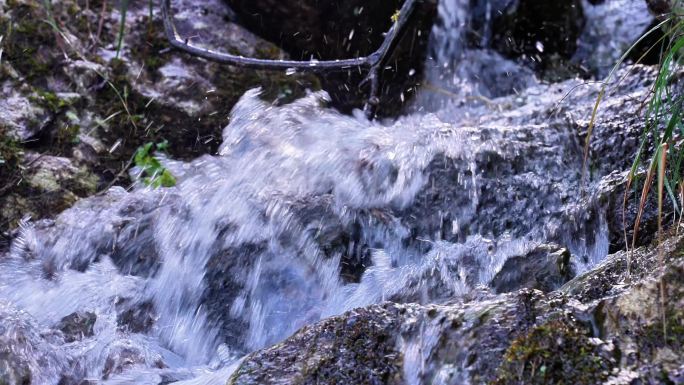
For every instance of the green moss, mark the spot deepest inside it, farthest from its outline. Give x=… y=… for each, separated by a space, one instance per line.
x=673 y=337
x=556 y=352
x=26 y=39
x=49 y=100
x=11 y=154
x=669 y=334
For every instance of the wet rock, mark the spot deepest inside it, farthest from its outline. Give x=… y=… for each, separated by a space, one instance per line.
x=135 y=317
x=608 y=277
x=610 y=30
x=358 y=347
x=121 y=357
x=622 y=208
x=338 y=235
x=462 y=195
x=557 y=351
x=77 y=326
x=545 y=268
x=496 y=76
x=226 y=278
x=391 y=336
x=629 y=312
x=523 y=337
x=118 y=224
x=645 y=324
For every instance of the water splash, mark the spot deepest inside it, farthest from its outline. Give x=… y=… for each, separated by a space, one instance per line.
x=304 y=213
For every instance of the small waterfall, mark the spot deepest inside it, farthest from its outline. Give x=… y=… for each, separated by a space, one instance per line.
x=303 y=214
x=460 y=72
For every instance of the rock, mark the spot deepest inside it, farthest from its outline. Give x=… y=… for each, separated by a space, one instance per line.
x=46 y=185
x=659 y=7
x=462 y=195
x=358 y=347
x=119 y=225
x=226 y=278
x=390 y=338
x=135 y=317
x=18 y=114
x=189 y=98
x=77 y=326
x=522 y=337
x=611 y=28
x=555 y=352
x=545 y=268
x=49 y=174
x=123 y=355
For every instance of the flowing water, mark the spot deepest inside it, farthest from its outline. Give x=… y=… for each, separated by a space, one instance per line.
x=303 y=214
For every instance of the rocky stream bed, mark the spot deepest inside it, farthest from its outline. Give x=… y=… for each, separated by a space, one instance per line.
x=453 y=240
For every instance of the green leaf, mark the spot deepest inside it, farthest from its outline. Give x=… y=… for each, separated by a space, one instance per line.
x=154 y=173
x=166 y=179
x=163 y=145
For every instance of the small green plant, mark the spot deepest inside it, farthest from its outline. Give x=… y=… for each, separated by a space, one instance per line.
x=151 y=170
x=122 y=26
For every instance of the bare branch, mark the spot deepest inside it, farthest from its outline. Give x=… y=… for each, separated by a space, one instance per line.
x=373 y=63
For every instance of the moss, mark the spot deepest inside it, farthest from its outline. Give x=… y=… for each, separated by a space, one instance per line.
x=49 y=100
x=355 y=348
x=27 y=39
x=10 y=156
x=67 y=135
x=556 y=352
x=670 y=334
x=150 y=44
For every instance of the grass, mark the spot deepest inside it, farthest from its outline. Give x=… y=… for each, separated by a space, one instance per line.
x=661 y=149
x=122 y=26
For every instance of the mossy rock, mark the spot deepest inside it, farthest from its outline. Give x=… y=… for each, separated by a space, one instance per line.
x=357 y=347
x=556 y=352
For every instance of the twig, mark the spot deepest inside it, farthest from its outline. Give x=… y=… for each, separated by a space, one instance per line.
x=373 y=62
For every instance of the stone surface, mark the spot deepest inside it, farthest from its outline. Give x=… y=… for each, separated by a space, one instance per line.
x=358 y=347
x=77 y=326
x=545 y=268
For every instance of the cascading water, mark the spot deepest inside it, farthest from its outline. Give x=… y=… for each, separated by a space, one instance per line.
x=304 y=213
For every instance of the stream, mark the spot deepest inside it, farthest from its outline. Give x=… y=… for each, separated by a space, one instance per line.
x=306 y=213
